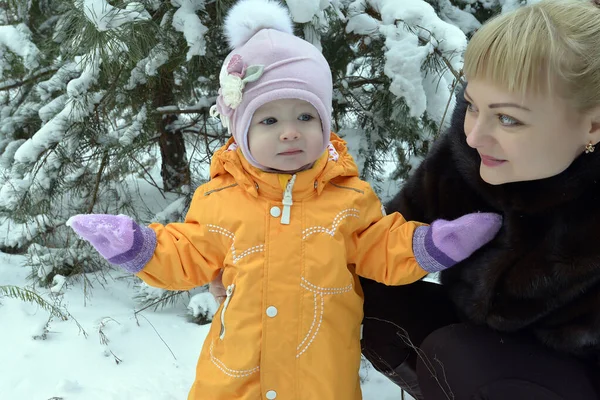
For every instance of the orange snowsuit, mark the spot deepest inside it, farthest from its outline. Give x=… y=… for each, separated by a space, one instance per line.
x=290 y=253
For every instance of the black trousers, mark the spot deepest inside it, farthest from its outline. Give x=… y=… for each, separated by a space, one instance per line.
x=413 y=329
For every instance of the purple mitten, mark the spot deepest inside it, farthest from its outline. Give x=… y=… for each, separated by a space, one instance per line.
x=446 y=243
x=117 y=238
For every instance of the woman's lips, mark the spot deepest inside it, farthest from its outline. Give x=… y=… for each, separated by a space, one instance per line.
x=489 y=161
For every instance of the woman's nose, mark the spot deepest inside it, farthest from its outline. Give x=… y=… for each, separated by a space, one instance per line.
x=475 y=132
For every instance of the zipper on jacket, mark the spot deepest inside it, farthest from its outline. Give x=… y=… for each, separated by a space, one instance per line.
x=287 y=201
x=225 y=304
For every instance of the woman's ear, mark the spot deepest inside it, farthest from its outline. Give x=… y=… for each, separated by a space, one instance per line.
x=594 y=125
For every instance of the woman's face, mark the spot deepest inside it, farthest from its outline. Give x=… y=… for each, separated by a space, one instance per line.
x=523 y=138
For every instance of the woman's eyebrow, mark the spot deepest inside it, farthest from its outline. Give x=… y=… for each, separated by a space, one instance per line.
x=499 y=105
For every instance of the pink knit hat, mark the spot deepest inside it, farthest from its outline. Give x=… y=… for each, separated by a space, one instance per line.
x=268 y=63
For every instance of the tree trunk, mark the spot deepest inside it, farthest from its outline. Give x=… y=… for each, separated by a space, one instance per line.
x=175 y=170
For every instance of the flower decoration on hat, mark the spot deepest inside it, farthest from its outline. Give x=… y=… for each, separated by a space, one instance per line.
x=233 y=80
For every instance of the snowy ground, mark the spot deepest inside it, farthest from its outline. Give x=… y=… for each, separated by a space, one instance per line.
x=158 y=350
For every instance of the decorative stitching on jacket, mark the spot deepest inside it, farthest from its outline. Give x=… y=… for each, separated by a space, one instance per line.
x=254 y=249
x=318 y=292
x=323 y=290
x=314 y=335
x=242 y=373
x=347 y=213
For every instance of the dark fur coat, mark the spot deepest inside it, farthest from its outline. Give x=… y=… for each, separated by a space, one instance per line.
x=542 y=272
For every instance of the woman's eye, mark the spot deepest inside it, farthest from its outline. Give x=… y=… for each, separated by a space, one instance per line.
x=508 y=121
x=268 y=121
x=471 y=107
x=305 y=117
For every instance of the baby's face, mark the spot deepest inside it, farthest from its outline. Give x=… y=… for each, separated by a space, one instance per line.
x=286 y=135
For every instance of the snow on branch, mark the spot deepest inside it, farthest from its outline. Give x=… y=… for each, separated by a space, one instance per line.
x=413 y=32
x=187 y=22
x=13 y=234
x=303 y=11
x=106 y=17
x=157 y=57
x=78 y=105
x=13 y=84
x=17 y=40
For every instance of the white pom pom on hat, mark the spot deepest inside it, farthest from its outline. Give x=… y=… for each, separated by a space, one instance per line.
x=247 y=17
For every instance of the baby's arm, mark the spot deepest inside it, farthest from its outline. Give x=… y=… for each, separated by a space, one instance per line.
x=391 y=250
x=176 y=256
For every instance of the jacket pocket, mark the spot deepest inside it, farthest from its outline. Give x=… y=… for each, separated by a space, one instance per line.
x=233 y=357
x=229 y=292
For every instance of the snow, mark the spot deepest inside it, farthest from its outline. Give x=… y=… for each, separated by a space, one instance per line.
x=303 y=10
x=9 y=151
x=421 y=15
x=50 y=133
x=403 y=65
x=412 y=33
x=91 y=69
x=49 y=110
x=362 y=24
x=439 y=99
x=17 y=40
x=510 y=5
x=128 y=135
x=405 y=54
x=202 y=304
x=10 y=191
x=68 y=364
x=104 y=351
x=464 y=20
x=186 y=21
x=148 y=66
x=78 y=105
x=106 y=17
x=58 y=81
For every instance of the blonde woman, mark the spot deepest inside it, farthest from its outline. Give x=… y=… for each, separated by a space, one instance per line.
x=520 y=318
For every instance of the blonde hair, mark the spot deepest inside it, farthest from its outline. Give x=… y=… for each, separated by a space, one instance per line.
x=551 y=47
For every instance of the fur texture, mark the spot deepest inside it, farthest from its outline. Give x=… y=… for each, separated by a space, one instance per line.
x=541 y=274
x=247 y=17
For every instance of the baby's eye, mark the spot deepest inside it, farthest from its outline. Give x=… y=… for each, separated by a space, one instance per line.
x=268 y=121
x=305 y=117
